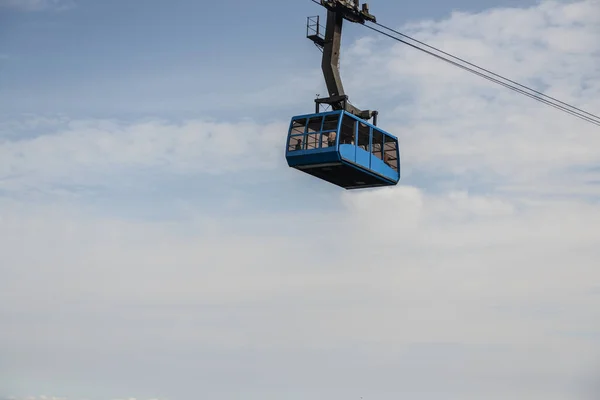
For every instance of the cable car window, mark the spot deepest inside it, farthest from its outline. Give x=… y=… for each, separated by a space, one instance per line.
x=314 y=124
x=312 y=141
x=331 y=122
x=328 y=139
x=298 y=126
x=377 y=144
x=347 y=130
x=296 y=143
x=363 y=136
x=390 y=153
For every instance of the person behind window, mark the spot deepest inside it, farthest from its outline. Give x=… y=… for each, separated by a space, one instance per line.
x=299 y=144
x=331 y=139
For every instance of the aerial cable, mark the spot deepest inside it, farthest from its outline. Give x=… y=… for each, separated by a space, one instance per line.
x=594 y=119
x=483 y=69
x=579 y=113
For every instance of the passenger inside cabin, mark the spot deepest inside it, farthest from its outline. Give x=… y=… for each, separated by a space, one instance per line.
x=331 y=139
x=299 y=144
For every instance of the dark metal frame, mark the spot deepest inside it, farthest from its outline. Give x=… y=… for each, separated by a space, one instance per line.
x=314 y=29
x=337 y=11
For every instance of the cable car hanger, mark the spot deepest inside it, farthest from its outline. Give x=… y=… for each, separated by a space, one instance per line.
x=340 y=146
x=338 y=10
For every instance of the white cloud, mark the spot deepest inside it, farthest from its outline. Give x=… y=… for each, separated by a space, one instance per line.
x=45 y=397
x=403 y=269
x=76 y=151
x=40 y=397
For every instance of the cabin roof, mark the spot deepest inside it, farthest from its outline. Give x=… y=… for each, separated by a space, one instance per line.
x=362 y=121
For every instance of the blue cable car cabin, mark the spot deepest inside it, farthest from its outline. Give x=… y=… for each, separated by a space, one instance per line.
x=342 y=149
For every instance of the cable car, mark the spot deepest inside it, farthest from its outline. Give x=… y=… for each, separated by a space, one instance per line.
x=342 y=149
x=341 y=146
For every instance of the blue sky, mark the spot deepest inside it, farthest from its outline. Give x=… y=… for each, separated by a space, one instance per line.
x=76 y=60
x=155 y=245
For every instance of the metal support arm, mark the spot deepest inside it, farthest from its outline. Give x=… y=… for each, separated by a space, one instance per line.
x=337 y=11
